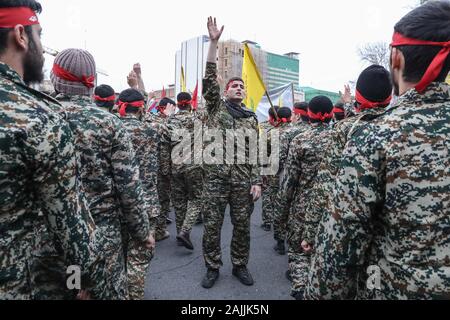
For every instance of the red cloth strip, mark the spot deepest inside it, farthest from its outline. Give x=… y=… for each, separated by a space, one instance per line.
x=123 y=106
x=320 y=116
x=301 y=112
x=338 y=110
x=366 y=104
x=11 y=17
x=184 y=103
x=87 y=81
x=107 y=99
x=435 y=68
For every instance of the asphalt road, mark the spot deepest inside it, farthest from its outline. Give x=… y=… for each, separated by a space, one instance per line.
x=176 y=273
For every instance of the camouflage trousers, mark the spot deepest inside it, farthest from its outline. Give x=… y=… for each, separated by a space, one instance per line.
x=269 y=195
x=138 y=262
x=280 y=219
x=164 y=201
x=48 y=269
x=299 y=261
x=220 y=191
x=187 y=188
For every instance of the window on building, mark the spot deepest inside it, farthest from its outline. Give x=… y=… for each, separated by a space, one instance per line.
x=226 y=50
x=226 y=62
x=226 y=75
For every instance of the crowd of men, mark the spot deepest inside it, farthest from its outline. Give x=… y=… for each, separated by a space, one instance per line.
x=361 y=195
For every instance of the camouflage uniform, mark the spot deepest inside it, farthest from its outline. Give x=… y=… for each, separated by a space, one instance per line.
x=326 y=176
x=187 y=177
x=147 y=145
x=297 y=190
x=37 y=176
x=227 y=183
x=270 y=184
x=287 y=134
x=391 y=206
x=159 y=123
x=110 y=178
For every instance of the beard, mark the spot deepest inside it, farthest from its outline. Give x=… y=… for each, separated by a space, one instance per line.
x=33 y=64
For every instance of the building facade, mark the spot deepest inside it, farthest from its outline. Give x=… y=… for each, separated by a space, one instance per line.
x=276 y=70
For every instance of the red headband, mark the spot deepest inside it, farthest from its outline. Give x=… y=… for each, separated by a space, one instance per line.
x=276 y=123
x=366 y=104
x=184 y=103
x=87 y=81
x=123 y=106
x=320 y=116
x=11 y=17
x=338 y=110
x=107 y=99
x=435 y=68
x=301 y=112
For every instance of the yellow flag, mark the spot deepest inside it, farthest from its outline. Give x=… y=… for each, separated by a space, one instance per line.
x=183 y=80
x=253 y=81
x=448 y=79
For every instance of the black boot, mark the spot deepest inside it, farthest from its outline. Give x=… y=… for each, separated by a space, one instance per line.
x=184 y=237
x=280 y=248
x=210 y=279
x=243 y=275
x=288 y=275
x=266 y=227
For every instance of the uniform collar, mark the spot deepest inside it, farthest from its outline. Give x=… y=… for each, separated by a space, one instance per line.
x=436 y=91
x=76 y=99
x=10 y=74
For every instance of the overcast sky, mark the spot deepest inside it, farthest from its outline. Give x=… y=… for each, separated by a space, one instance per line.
x=119 y=33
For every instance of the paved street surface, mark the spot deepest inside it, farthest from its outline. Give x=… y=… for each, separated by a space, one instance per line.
x=176 y=273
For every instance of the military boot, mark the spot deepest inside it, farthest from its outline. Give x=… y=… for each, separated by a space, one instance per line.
x=243 y=275
x=280 y=248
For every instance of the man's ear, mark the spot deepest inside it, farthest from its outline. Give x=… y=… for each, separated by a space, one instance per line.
x=20 y=37
x=396 y=59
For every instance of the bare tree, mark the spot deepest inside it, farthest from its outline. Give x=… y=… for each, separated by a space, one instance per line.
x=375 y=53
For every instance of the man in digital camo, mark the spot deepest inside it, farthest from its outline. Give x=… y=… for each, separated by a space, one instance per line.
x=238 y=185
x=37 y=159
x=388 y=236
x=147 y=145
x=109 y=169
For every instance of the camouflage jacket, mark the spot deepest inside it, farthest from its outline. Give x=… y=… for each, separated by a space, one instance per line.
x=186 y=136
x=287 y=134
x=37 y=176
x=300 y=172
x=159 y=123
x=391 y=206
x=109 y=170
x=147 y=146
x=326 y=175
x=218 y=118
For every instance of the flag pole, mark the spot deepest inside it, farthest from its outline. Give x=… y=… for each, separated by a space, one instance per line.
x=271 y=105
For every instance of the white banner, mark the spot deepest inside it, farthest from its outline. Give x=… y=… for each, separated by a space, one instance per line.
x=282 y=97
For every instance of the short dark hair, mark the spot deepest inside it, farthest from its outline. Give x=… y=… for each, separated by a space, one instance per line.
x=131 y=95
x=165 y=101
x=32 y=4
x=273 y=110
x=104 y=91
x=284 y=113
x=184 y=96
x=301 y=106
x=428 y=22
x=321 y=104
x=232 y=80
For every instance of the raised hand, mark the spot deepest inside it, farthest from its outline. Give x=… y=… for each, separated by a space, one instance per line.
x=132 y=80
x=347 y=96
x=214 y=32
x=137 y=69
